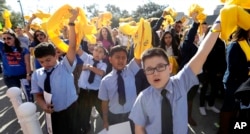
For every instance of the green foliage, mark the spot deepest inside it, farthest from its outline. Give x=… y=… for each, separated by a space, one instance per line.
x=148 y=10
x=16 y=17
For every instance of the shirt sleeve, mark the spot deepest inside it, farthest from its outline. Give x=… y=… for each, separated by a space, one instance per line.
x=133 y=66
x=84 y=57
x=34 y=84
x=103 y=66
x=103 y=92
x=68 y=67
x=137 y=114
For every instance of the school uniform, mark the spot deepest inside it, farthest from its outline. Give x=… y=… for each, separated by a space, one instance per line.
x=109 y=92
x=64 y=96
x=88 y=96
x=147 y=108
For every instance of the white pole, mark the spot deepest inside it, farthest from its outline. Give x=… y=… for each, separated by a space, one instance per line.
x=27 y=112
x=14 y=93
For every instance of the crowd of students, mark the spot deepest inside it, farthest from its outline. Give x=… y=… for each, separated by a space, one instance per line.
x=122 y=88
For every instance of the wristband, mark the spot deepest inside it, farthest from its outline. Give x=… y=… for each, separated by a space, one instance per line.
x=71 y=24
x=214 y=30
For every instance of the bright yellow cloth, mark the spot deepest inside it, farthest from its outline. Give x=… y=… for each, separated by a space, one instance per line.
x=175 y=66
x=171 y=11
x=201 y=17
x=238 y=17
x=141 y=34
x=82 y=28
x=142 y=38
x=242 y=3
x=6 y=16
x=127 y=29
x=104 y=19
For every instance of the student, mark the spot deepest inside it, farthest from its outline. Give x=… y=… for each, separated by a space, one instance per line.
x=92 y=72
x=116 y=109
x=63 y=106
x=146 y=111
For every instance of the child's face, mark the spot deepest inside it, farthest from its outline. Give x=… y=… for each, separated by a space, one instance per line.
x=98 y=53
x=157 y=71
x=48 y=61
x=168 y=39
x=118 y=60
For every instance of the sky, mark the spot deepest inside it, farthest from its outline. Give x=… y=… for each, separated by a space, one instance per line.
x=31 y=6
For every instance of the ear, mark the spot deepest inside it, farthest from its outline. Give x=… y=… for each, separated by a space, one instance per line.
x=110 y=59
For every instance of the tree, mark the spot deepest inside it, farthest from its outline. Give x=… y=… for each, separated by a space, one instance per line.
x=92 y=11
x=148 y=10
x=16 y=17
x=116 y=14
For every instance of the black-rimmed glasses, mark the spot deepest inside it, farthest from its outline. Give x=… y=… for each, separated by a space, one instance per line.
x=158 y=68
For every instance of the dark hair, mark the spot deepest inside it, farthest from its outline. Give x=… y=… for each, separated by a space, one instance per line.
x=36 y=41
x=17 y=43
x=44 y=49
x=240 y=34
x=109 y=37
x=103 y=48
x=154 y=52
x=204 y=23
x=173 y=43
x=117 y=48
x=178 y=21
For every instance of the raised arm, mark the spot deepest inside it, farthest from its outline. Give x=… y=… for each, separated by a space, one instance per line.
x=27 y=28
x=71 y=54
x=204 y=49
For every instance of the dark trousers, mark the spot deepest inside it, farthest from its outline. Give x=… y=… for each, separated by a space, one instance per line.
x=87 y=99
x=119 y=118
x=13 y=81
x=66 y=121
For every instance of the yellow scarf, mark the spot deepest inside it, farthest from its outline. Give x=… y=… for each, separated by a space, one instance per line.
x=246 y=49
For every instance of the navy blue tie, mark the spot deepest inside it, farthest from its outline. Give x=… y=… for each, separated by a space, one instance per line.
x=92 y=74
x=166 y=114
x=47 y=86
x=121 y=88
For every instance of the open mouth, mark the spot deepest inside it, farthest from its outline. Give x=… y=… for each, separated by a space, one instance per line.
x=156 y=80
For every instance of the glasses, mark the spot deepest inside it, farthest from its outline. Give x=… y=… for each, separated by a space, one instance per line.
x=158 y=68
x=8 y=38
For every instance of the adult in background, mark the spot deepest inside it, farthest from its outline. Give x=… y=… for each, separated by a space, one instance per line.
x=16 y=60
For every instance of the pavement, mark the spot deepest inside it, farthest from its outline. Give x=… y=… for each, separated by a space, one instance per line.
x=9 y=124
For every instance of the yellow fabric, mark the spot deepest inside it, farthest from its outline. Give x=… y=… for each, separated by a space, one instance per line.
x=142 y=38
x=242 y=3
x=104 y=19
x=171 y=11
x=201 y=17
x=238 y=17
x=169 y=20
x=127 y=29
x=141 y=34
x=174 y=64
x=246 y=48
x=6 y=16
x=35 y=26
x=82 y=28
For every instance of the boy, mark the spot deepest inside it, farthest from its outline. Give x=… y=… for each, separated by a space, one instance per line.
x=92 y=72
x=146 y=112
x=117 y=101
x=60 y=84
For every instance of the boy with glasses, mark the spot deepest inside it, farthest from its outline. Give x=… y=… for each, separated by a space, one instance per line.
x=162 y=107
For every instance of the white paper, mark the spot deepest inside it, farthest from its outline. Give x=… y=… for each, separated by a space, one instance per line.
x=121 y=128
x=48 y=97
x=24 y=82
